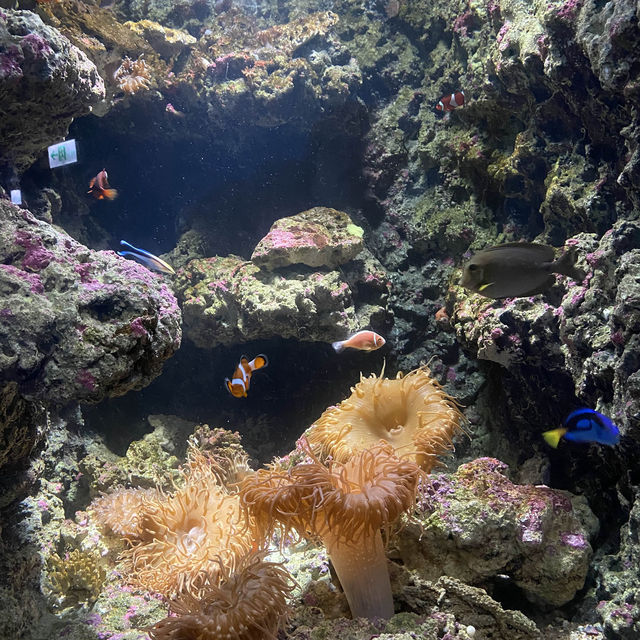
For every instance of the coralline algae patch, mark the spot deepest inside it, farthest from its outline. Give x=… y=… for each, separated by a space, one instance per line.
x=90 y=317
x=477 y=524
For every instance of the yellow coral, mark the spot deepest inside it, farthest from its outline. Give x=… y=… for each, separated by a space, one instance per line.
x=133 y=75
x=78 y=577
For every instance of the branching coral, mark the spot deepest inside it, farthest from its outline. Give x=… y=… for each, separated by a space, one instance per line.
x=133 y=75
x=412 y=413
x=78 y=577
x=249 y=604
x=345 y=505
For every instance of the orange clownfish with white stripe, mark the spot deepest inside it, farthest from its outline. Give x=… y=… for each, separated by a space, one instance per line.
x=451 y=101
x=239 y=384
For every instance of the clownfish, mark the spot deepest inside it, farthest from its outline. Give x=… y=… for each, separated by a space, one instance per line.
x=239 y=384
x=585 y=425
x=363 y=340
x=99 y=187
x=451 y=101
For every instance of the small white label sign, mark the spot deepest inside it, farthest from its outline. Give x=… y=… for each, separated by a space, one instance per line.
x=62 y=153
x=16 y=196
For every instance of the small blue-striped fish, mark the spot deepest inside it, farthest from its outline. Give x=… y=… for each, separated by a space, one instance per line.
x=148 y=259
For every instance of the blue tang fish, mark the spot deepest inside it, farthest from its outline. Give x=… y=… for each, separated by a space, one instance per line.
x=148 y=259
x=585 y=425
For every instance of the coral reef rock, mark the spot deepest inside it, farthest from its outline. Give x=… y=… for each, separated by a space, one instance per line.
x=227 y=300
x=45 y=82
x=77 y=324
x=319 y=237
x=591 y=334
x=477 y=525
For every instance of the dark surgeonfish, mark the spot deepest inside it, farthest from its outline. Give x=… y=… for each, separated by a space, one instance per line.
x=585 y=425
x=517 y=269
x=147 y=259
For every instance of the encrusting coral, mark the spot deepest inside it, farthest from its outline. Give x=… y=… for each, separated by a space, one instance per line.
x=412 y=413
x=132 y=75
x=345 y=505
x=249 y=604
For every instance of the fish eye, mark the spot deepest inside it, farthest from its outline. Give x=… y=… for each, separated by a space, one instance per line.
x=473 y=267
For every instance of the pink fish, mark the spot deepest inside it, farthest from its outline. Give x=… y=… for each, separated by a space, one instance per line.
x=363 y=340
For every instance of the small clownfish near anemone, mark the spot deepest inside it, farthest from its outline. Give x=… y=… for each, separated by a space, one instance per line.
x=584 y=425
x=147 y=259
x=363 y=340
x=239 y=384
x=451 y=101
x=99 y=187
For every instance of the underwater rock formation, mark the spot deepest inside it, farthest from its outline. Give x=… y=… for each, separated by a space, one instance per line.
x=76 y=324
x=476 y=524
x=589 y=333
x=228 y=300
x=45 y=82
x=319 y=237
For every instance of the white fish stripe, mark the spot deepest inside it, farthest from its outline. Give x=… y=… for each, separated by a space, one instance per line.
x=238 y=381
x=242 y=371
x=453 y=100
x=440 y=104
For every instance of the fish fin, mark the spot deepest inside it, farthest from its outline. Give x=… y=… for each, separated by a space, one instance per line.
x=482 y=287
x=259 y=362
x=228 y=385
x=552 y=438
x=110 y=194
x=566 y=266
x=338 y=346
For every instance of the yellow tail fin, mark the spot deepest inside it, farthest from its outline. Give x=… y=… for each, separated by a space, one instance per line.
x=552 y=438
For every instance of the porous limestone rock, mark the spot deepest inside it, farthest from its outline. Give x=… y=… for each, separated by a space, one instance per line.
x=318 y=237
x=227 y=300
x=167 y=42
x=77 y=324
x=476 y=524
x=45 y=82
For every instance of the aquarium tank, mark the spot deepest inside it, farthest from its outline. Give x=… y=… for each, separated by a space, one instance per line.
x=319 y=319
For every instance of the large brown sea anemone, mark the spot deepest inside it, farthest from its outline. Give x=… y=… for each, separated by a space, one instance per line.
x=248 y=604
x=188 y=536
x=345 y=505
x=412 y=413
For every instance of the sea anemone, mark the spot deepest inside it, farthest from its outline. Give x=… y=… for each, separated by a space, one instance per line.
x=183 y=533
x=248 y=604
x=345 y=505
x=122 y=509
x=412 y=413
x=133 y=75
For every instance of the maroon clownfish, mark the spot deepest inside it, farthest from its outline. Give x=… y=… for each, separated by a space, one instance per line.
x=451 y=101
x=99 y=187
x=239 y=384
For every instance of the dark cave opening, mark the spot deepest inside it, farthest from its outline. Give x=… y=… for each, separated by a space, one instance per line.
x=301 y=380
